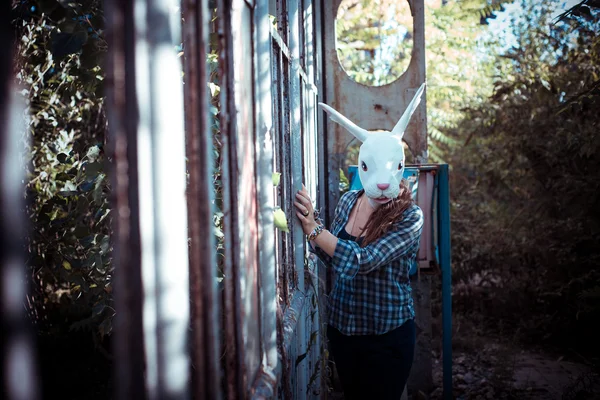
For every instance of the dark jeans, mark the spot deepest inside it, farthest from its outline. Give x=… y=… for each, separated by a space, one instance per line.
x=373 y=366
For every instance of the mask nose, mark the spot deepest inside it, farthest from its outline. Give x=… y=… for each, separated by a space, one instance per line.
x=383 y=186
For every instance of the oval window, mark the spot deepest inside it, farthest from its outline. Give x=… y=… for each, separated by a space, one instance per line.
x=374 y=39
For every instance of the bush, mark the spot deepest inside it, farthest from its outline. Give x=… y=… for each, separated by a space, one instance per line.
x=59 y=54
x=526 y=186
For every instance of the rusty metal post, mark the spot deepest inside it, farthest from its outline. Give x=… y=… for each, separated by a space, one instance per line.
x=233 y=341
x=19 y=380
x=205 y=342
x=265 y=385
x=298 y=236
x=314 y=330
x=122 y=143
x=319 y=72
x=148 y=146
x=240 y=203
x=168 y=234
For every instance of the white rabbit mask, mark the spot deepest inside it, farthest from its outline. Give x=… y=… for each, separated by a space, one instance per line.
x=381 y=155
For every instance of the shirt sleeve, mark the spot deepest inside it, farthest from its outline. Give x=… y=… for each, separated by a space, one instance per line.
x=324 y=257
x=349 y=259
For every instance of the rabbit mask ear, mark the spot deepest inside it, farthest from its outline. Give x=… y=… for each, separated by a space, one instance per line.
x=358 y=132
x=362 y=134
x=405 y=119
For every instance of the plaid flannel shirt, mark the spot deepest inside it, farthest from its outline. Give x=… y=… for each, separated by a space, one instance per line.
x=371 y=293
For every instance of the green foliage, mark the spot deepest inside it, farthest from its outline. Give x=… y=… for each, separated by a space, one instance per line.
x=456 y=72
x=526 y=184
x=59 y=69
x=374 y=39
x=212 y=59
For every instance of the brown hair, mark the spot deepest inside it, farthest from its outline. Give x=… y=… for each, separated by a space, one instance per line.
x=383 y=218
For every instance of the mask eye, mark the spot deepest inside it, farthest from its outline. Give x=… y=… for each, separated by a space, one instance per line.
x=399 y=166
x=363 y=166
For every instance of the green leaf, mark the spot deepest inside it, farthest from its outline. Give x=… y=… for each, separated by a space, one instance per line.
x=69 y=187
x=214 y=89
x=280 y=220
x=66 y=265
x=276 y=177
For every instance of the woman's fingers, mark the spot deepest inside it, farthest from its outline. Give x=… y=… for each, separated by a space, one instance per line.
x=303 y=209
x=305 y=196
x=302 y=199
x=304 y=203
x=301 y=217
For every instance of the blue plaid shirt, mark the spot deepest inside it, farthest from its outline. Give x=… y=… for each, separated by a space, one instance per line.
x=371 y=293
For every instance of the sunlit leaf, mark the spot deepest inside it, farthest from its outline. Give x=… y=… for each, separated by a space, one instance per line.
x=280 y=220
x=276 y=177
x=214 y=89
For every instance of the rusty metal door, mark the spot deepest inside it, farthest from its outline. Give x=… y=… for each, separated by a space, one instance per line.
x=260 y=335
x=269 y=125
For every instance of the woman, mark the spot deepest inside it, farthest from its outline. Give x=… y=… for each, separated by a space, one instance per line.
x=371 y=246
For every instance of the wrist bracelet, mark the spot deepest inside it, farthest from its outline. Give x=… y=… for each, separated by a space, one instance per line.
x=316 y=214
x=315 y=232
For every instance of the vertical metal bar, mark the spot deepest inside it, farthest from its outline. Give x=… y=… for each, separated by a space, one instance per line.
x=169 y=238
x=296 y=158
x=278 y=164
x=205 y=341
x=296 y=137
x=19 y=380
x=283 y=19
x=446 y=266
x=308 y=11
x=312 y=181
x=234 y=361
x=265 y=189
x=301 y=35
x=265 y=385
x=146 y=189
x=285 y=149
x=122 y=112
x=322 y=152
x=242 y=26
x=332 y=161
x=286 y=176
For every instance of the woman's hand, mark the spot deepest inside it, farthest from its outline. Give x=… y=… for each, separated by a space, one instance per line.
x=305 y=211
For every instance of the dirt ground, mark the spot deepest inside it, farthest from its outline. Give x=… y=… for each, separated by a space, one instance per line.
x=484 y=368
x=489 y=368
